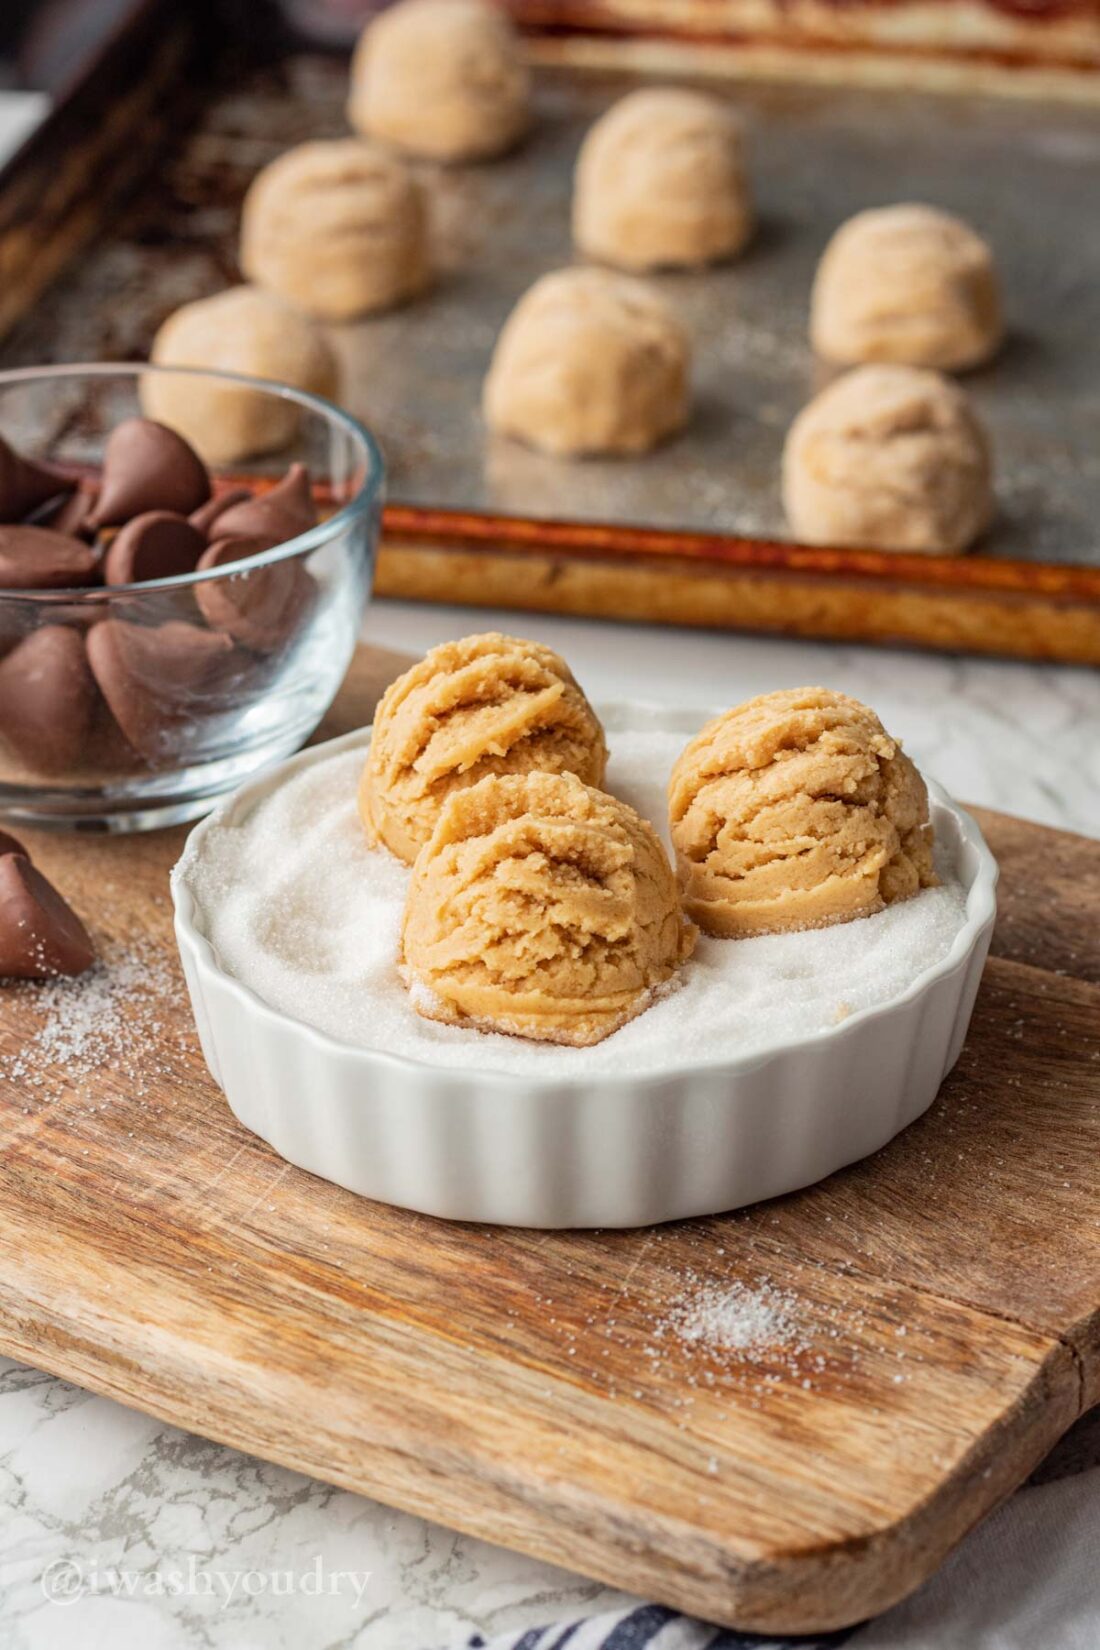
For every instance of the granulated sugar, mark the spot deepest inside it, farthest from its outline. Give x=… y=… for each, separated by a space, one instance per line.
x=300 y=909
x=108 y=1019
x=734 y=1318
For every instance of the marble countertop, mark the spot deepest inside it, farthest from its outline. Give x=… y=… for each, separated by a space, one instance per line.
x=95 y=1500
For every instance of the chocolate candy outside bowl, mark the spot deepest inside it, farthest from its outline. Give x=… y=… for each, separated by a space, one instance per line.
x=165 y=630
x=41 y=936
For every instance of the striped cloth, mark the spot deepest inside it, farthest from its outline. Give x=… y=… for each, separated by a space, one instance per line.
x=647 y=1627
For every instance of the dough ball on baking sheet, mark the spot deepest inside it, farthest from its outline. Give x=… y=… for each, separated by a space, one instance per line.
x=337 y=228
x=242 y=330
x=890 y=458
x=440 y=78
x=589 y=362
x=907 y=284
x=661 y=182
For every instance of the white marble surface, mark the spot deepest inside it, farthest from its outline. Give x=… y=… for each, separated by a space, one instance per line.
x=94 y=1490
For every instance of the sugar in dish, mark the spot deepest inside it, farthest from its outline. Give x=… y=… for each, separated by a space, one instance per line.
x=301 y=910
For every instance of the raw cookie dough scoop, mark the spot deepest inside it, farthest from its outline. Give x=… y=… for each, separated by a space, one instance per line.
x=797 y=810
x=487 y=704
x=542 y=908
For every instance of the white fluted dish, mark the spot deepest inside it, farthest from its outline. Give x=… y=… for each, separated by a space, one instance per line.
x=691 y=1139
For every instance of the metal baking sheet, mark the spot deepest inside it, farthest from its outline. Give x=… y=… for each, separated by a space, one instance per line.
x=1025 y=174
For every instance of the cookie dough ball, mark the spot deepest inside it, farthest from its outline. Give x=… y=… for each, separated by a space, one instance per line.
x=242 y=330
x=589 y=362
x=440 y=78
x=796 y=810
x=488 y=704
x=907 y=284
x=893 y=458
x=542 y=908
x=661 y=183
x=339 y=229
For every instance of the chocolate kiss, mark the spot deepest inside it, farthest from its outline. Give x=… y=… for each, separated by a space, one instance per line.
x=157 y=545
x=25 y=486
x=36 y=558
x=160 y=680
x=40 y=935
x=11 y=845
x=71 y=516
x=260 y=608
x=47 y=698
x=147 y=466
x=207 y=514
x=280 y=514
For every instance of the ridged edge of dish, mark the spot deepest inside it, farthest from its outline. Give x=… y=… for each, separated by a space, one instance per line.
x=600 y=1150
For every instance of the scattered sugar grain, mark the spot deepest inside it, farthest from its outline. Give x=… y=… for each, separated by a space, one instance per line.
x=732 y=1317
x=110 y=1018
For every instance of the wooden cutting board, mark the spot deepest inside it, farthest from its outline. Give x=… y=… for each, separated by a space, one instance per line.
x=528 y=1386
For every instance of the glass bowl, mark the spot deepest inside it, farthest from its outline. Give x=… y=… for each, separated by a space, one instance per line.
x=196 y=712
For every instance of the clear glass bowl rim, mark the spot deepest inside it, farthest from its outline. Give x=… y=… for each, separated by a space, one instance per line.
x=370 y=493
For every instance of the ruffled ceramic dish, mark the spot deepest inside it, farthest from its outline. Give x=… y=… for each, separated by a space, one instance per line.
x=596 y=1147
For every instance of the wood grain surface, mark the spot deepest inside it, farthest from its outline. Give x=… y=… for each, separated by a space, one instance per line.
x=530 y=1387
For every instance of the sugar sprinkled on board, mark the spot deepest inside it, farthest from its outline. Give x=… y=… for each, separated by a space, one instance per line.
x=731 y=1317
x=299 y=908
x=111 y=1018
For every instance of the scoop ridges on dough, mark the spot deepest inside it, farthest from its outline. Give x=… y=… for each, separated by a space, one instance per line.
x=337 y=227
x=908 y=284
x=660 y=182
x=487 y=704
x=441 y=78
x=589 y=361
x=797 y=810
x=543 y=908
x=889 y=457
